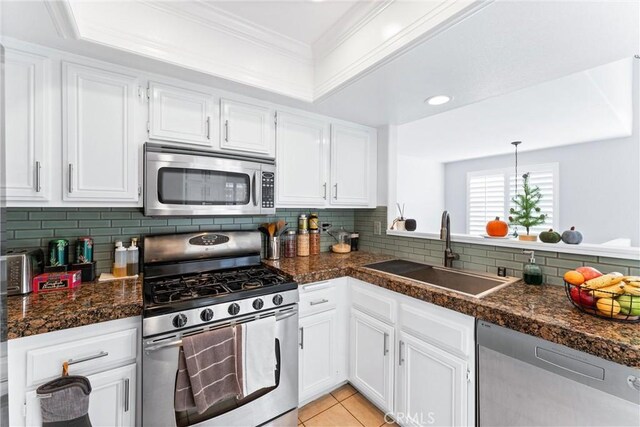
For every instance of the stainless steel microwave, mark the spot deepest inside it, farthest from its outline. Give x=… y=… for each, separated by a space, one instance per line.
x=185 y=182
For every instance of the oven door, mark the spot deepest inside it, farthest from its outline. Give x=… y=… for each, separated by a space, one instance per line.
x=159 y=368
x=184 y=184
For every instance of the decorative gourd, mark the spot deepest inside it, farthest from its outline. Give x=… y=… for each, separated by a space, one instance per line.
x=572 y=237
x=550 y=236
x=497 y=228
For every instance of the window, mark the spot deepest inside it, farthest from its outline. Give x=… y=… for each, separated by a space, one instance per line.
x=490 y=194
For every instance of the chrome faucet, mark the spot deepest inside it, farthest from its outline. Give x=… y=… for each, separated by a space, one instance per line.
x=445 y=234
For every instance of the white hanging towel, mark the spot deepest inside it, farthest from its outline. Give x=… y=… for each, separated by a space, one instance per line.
x=259 y=354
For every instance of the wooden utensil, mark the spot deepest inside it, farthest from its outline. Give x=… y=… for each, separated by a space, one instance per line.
x=272 y=229
x=280 y=226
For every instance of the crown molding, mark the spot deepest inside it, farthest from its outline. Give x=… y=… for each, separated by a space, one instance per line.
x=182 y=56
x=63 y=19
x=206 y=14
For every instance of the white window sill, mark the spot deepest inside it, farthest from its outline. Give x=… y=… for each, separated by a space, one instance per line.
x=632 y=253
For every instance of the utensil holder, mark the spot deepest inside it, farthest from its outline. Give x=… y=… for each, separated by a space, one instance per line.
x=273 y=248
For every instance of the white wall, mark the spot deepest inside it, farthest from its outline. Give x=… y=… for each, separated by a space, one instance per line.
x=598 y=192
x=421 y=189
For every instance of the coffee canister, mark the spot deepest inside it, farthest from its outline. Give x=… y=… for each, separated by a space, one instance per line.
x=84 y=250
x=58 y=253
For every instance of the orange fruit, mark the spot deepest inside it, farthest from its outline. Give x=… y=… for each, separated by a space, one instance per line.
x=574 y=277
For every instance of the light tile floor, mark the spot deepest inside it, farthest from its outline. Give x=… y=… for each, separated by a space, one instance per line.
x=343 y=407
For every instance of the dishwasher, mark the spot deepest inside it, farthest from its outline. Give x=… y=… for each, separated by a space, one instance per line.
x=527 y=381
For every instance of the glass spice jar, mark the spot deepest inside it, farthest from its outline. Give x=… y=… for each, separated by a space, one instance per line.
x=313 y=221
x=289 y=244
x=314 y=242
x=303 y=243
x=303 y=223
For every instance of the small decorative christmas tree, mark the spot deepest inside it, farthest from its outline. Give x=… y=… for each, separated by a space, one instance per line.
x=526 y=211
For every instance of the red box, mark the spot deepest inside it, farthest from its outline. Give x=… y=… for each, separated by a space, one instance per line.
x=56 y=281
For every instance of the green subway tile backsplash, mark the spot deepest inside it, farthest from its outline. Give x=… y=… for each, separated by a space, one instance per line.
x=29 y=228
x=477 y=257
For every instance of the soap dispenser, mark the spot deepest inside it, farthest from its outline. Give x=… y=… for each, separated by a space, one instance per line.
x=120 y=260
x=531 y=273
x=132 y=258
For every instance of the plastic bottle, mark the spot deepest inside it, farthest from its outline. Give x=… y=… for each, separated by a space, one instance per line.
x=120 y=261
x=531 y=273
x=133 y=258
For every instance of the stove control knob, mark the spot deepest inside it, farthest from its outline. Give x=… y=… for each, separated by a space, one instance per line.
x=206 y=314
x=179 y=321
x=234 y=309
x=258 y=303
x=277 y=299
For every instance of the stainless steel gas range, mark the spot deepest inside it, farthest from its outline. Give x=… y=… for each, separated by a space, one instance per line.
x=197 y=282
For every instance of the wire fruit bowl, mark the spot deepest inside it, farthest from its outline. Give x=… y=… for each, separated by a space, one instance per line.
x=621 y=307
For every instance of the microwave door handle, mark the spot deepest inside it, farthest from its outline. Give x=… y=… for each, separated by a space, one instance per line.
x=254 y=188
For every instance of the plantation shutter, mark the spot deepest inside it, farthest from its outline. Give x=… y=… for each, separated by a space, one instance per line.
x=485 y=201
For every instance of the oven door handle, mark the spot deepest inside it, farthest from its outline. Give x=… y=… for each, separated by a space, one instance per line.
x=175 y=343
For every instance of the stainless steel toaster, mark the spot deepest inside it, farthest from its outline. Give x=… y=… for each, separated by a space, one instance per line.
x=22 y=266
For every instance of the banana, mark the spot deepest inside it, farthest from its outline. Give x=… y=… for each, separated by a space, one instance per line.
x=635 y=284
x=631 y=278
x=609 y=291
x=632 y=290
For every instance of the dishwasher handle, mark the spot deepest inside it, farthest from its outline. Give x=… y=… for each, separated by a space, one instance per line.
x=569 y=363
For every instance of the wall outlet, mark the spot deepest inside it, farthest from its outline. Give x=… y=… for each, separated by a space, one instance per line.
x=377 y=227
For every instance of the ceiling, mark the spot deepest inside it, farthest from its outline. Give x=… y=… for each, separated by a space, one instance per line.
x=304 y=21
x=587 y=106
x=501 y=48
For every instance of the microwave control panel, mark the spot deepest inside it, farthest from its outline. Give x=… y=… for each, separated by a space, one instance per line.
x=268 y=189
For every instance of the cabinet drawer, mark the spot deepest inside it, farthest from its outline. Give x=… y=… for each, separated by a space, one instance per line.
x=317 y=297
x=438 y=327
x=91 y=354
x=373 y=302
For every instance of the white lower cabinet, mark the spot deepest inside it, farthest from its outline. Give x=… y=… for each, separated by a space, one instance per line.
x=431 y=385
x=106 y=353
x=111 y=403
x=318 y=353
x=371 y=358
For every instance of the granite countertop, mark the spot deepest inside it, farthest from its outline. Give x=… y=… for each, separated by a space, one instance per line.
x=541 y=311
x=92 y=302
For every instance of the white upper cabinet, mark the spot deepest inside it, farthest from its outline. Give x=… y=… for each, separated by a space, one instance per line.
x=302 y=161
x=28 y=171
x=247 y=128
x=181 y=115
x=353 y=165
x=98 y=136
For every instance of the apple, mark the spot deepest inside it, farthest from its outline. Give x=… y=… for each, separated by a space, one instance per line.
x=583 y=297
x=588 y=272
x=629 y=305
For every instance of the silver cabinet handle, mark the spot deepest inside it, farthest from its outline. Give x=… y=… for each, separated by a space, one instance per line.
x=86 y=359
x=70 y=178
x=336 y=186
x=226 y=130
x=208 y=124
x=322 y=301
x=126 y=395
x=254 y=188
x=325 y=190
x=38 y=186
x=301 y=338
x=400 y=357
x=385 y=345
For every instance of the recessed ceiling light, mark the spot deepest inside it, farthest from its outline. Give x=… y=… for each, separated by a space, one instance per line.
x=438 y=100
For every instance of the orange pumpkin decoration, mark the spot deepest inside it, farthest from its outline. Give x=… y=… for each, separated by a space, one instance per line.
x=497 y=228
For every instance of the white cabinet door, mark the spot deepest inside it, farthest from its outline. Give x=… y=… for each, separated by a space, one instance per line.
x=99 y=146
x=111 y=404
x=28 y=172
x=371 y=358
x=302 y=161
x=181 y=115
x=318 y=371
x=432 y=385
x=247 y=128
x=353 y=154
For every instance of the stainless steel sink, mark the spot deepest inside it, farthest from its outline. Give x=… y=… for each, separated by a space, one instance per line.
x=466 y=282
